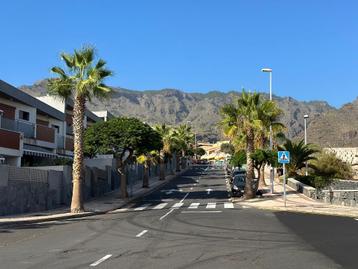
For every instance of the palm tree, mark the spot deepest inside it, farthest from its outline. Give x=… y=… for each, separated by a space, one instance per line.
x=147 y=160
x=184 y=139
x=82 y=81
x=168 y=140
x=242 y=122
x=269 y=115
x=299 y=155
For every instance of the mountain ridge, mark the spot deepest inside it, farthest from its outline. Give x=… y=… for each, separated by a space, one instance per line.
x=173 y=106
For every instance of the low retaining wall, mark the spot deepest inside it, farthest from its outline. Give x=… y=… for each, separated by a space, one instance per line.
x=302 y=188
x=341 y=192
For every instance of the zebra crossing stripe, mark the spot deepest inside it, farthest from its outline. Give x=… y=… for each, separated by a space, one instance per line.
x=211 y=205
x=228 y=205
x=177 y=205
x=140 y=208
x=194 y=205
x=160 y=206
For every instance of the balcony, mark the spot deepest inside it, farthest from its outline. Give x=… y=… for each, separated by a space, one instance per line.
x=69 y=144
x=45 y=133
x=10 y=140
x=27 y=128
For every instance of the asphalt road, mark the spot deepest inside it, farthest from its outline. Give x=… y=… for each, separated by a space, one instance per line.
x=189 y=223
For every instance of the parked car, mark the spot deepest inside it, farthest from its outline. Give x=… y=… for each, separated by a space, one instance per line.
x=238 y=184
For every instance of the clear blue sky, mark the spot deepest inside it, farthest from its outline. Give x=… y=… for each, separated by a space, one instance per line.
x=193 y=45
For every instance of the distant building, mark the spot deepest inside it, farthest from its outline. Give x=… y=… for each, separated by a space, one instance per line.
x=104 y=115
x=213 y=151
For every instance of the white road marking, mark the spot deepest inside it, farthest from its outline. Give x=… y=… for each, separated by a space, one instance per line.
x=186 y=195
x=194 y=205
x=166 y=214
x=245 y=206
x=141 y=207
x=141 y=233
x=228 y=205
x=101 y=260
x=177 y=205
x=191 y=188
x=208 y=211
x=211 y=205
x=160 y=206
x=356 y=219
x=120 y=210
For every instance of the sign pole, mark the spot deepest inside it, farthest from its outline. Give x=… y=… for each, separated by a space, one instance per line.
x=284 y=183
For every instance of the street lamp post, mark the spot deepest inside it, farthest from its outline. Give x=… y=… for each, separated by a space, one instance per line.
x=305 y=117
x=269 y=70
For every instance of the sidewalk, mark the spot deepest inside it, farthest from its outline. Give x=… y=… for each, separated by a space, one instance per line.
x=102 y=205
x=295 y=202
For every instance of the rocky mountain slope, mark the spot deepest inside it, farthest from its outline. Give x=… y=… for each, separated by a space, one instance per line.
x=327 y=125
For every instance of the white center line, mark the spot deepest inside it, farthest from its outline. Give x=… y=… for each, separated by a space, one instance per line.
x=177 y=205
x=170 y=211
x=141 y=233
x=182 y=200
x=160 y=206
x=101 y=260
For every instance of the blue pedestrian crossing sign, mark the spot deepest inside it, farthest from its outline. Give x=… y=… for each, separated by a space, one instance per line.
x=283 y=157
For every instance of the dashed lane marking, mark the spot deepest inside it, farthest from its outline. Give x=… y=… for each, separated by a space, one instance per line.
x=177 y=205
x=101 y=260
x=141 y=233
x=211 y=206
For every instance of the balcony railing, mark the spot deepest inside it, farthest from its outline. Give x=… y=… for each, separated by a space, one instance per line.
x=45 y=133
x=9 y=139
x=27 y=128
x=69 y=144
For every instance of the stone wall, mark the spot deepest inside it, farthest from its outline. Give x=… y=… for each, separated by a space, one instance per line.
x=24 y=190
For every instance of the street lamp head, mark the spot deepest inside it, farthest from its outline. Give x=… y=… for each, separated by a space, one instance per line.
x=268 y=70
x=306 y=116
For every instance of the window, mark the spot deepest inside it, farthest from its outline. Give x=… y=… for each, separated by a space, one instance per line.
x=23 y=115
x=56 y=127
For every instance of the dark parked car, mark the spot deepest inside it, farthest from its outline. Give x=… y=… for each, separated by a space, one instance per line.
x=238 y=184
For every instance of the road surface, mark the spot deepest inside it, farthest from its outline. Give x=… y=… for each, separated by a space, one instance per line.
x=189 y=223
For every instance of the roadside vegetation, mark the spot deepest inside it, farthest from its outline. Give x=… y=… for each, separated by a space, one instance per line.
x=247 y=125
x=130 y=140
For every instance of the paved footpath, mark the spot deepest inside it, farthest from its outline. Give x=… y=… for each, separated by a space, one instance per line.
x=295 y=202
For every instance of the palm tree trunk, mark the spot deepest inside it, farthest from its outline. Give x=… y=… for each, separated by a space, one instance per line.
x=123 y=177
x=262 y=176
x=146 y=176
x=177 y=159
x=171 y=171
x=78 y=161
x=249 y=191
x=162 y=167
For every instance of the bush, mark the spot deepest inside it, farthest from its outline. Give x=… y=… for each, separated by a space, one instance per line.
x=328 y=165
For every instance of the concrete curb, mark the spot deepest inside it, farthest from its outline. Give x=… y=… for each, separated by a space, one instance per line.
x=296 y=210
x=68 y=215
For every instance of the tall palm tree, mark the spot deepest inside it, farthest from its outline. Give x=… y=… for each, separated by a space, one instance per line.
x=168 y=139
x=82 y=81
x=184 y=139
x=241 y=123
x=269 y=115
x=299 y=155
